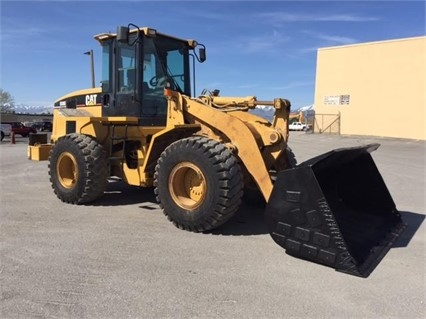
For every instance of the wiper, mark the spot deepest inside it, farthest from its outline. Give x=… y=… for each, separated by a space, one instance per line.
x=175 y=84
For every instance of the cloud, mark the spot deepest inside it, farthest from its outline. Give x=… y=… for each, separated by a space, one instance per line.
x=282 y=17
x=308 y=50
x=20 y=32
x=207 y=15
x=247 y=86
x=326 y=40
x=262 y=43
x=336 y=39
x=331 y=39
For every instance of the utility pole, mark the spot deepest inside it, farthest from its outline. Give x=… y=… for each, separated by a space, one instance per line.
x=92 y=66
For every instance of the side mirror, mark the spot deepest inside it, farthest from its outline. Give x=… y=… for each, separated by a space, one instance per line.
x=202 y=54
x=123 y=34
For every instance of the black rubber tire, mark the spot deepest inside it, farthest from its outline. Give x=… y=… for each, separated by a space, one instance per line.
x=221 y=177
x=291 y=157
x=2 y=136
x=78 y=169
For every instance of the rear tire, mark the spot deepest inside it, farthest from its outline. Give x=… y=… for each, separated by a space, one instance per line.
x=78 y=169
x=198 y=183
x=2 y=136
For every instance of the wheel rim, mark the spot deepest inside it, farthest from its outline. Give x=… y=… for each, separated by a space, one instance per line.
x=67 y=170
x=187 y=185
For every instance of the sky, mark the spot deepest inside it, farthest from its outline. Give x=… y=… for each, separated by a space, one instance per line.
x=263 y=48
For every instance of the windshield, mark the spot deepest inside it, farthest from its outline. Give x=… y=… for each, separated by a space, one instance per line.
x=166 y=63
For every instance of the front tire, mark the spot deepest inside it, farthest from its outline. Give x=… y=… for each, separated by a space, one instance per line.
x=198 y=183
x=78 y=169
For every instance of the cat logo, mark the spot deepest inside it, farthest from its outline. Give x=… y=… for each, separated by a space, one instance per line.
x=91 y=99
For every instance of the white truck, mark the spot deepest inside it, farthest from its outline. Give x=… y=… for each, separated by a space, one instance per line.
x=5 y=130
x=296 y=126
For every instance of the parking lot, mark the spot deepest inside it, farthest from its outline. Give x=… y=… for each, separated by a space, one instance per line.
x=121 y=258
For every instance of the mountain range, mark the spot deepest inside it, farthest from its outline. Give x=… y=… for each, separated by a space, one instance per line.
x=29 y=109
x=267 y=112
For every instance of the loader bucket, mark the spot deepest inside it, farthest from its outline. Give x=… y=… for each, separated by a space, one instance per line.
x=335 y=210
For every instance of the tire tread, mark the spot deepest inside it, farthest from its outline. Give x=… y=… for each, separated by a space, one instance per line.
x=228 y=175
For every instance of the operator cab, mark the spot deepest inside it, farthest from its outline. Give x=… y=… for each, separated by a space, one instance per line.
x=137 y=65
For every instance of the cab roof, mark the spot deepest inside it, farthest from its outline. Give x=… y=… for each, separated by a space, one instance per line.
x=150 y=32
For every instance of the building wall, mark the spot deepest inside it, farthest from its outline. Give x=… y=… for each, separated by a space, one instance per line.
x=378 y=88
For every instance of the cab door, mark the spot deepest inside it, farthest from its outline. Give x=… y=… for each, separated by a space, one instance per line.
x=120 y=82
x=127 y=101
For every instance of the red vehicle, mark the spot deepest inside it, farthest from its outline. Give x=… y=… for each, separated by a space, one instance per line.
x=21 y=129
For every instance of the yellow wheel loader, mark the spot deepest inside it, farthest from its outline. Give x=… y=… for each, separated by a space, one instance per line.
x=202 y=153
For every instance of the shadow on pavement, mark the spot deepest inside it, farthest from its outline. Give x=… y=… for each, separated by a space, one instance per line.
x=413 y=221
x=249 y=220
x=118 y=193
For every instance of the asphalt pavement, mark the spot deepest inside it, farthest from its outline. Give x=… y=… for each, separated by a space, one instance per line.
x=121 y=258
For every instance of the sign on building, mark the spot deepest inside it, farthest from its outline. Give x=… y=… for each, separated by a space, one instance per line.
x=337 y=99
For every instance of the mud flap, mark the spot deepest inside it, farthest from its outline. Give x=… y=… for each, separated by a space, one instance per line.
x=335 y=210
